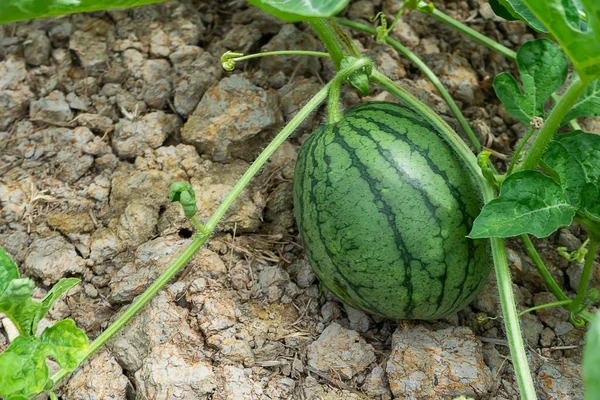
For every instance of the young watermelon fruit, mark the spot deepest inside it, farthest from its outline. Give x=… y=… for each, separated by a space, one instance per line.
x=384 y=207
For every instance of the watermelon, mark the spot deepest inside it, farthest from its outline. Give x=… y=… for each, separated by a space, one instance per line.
x=384 y=207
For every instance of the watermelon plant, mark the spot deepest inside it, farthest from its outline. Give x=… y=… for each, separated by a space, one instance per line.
x=398 y=215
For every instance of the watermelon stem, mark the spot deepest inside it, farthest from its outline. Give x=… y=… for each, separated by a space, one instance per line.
x=334 y=114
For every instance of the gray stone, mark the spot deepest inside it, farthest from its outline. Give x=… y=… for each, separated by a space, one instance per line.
x=447 y=363
x=359 y=321
x=376 y=385
x=60 y=34
x=132 y=138
x=37 y=48
x=237 y=385
x=272 y=280
x=13 y=106
x=53 y=107
x=12 y=73
x=51 y=259
x=137 y=224
x=167 y=373
x=551 y=316
x=145 y=187
x=291 y=38
x=560 y=380
x=160 y=45
x=340 y=351
x=151 y=259
x=234 y=119
x=456 y=73
x=532 y=329
x=133 y=60
x=91 y=50
x=100 y=378
x=245 y=215
x=305 y=276
x=16 y=244
x=157 y=93
x=331 y=311
x=568 y=240
x=76 y=102
x=361 y=9
x=219 y=311
x=280 y=388
x=193 y=78
x=98 y=124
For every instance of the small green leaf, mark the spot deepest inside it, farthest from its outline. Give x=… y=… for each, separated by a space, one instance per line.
x=582 y=47
x=587 y=105
x=8 y=270
x=591 y=360
x=297 y=11
x=183 y=193
x=575 y=158
x=61 y=287
x=529 y=202
x=518 y=10
x=543 y=68
x=16 y=303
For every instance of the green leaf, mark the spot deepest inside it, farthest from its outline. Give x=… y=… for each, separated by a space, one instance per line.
x=19 y=10
x=24 y=371
x=296 y=11
x=575 y=158
x=61 y=287
x=8 y=270
x=66 y=343
x=543 y=68
x=502 y=11
x=591 y=360
x=518 y=10
x=582 y=47
x=529 y=202
x=16 y=303
x=587 y=105
x=183 y=193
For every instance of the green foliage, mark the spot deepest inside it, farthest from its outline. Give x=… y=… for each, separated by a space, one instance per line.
x=19 y=10
x=296 y=11
x=561 y=17
x=543 y=68
x=517 y=10
x=591 y=360
x=15 y=296
x=529 y=202
x=587 y=105
x=23 y=370
x=183 y=193
x=575 y=159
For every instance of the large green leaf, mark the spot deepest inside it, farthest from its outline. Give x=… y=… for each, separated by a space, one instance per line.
x=518 y=10
x=8 y=270
x=582 y=47
x=19 y=10
x=591 y=360
x=24 y=371
x=296 y=11
x=575 y=158
x=543 y=68
x=529 y=202
x=587 y=105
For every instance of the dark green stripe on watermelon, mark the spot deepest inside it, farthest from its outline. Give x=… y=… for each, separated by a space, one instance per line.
x=383 y=206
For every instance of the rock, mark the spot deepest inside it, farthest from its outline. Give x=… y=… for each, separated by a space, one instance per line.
x=133 y=61
x=12 y=73
x=456 y=73
x=488 y=300
x=376 y=385
x=291 y=38
x=331 y=311
x=71 y=223
x=312 y=389
x=389 y=64
x=100 y=378
x=16 y=244
x=550 y=316
x=159 y=323
x=98 y=124
x=272 y=280
x=53 y=107
x=137 y=224
x=361 y=9
x=359 y=321
x=91 y=50
x=237 y=385
x=13 y=106
x=104 y=245
x=234 y=119
x=531 y=328
x=62 y=149
x=447 y=363
x=51 y=259
x=76 y=103
x=294 y=96
x=132 y=138
x=559 y=380
x=305 y=275
x=159 y=43
x=150 y=188
x=151 y=259
x=568 y=240
x=245 y=215
x=157 y=85
x=167 y=373
x=37 y=48
x=340 y=351
x=281 y=388
x=406 y=33
x=219 y=311
x=194 y=75
x=60 y=34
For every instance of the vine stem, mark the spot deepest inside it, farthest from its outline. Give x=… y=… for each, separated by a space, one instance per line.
x=209 y=227
x=507 y=298
x=427 y=72
x=518 y=150
x=565 y=103
x=548 y=279
x=542 y=306
x=283 y=53
x=486 y=41
x=333 y=105
x=585 y=274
